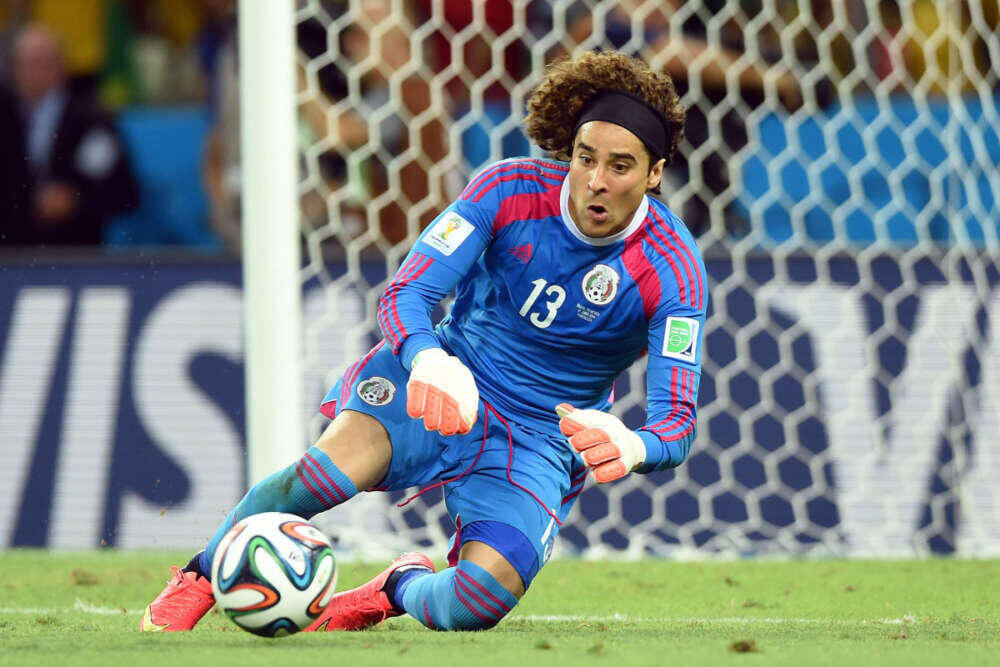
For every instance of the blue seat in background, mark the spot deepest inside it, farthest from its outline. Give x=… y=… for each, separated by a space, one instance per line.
x=476 y=138
x=165 y=146
x=971 y=173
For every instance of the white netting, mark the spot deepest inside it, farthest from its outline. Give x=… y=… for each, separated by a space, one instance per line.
x=841 y=172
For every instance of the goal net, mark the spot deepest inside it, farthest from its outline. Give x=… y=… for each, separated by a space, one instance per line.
x=841 y=170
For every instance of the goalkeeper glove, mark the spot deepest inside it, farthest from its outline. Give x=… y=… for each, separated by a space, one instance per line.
x=607 y=446
x=443 y=392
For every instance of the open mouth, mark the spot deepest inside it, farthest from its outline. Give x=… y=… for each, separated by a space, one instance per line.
x=597 y=212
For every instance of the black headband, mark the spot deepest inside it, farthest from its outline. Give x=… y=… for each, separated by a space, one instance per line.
x=630 y=112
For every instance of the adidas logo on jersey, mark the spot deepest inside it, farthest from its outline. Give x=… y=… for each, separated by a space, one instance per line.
x=522 y=252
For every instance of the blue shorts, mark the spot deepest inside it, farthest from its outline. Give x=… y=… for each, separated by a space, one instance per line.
x=498 y=472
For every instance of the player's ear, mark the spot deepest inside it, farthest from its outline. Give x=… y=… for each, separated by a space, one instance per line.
x=655 y=174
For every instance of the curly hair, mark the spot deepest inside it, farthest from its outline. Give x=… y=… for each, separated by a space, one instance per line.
x=569 y=84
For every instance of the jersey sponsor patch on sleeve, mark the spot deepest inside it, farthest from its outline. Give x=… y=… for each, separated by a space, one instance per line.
x=448 y=233
x=680 y=339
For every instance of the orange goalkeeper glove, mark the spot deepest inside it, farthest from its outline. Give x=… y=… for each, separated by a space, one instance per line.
x=607 y=446
x=442 y=392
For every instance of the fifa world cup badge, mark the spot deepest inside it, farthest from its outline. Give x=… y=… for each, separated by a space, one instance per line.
x=376 y=390
x=600 y=285
x=680 y=339
x=448 y=233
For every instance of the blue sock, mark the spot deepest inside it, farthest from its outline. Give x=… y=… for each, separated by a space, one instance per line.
x=306 y=488
x=464 y=597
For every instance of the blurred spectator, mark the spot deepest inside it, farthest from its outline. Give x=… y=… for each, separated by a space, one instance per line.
x=218 y=51
x=14 y=15
x=77 y=171
x=343 y=131
x=163 y=39
x=13 y=169
x=496 y=100
x=944 y=47
x=79 y=27
x=380 y=37
x=383 y=189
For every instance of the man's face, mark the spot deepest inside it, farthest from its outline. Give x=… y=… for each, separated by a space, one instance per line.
x=37 y=67
x=608 y=177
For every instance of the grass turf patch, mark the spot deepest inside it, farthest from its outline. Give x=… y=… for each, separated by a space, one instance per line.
x=83 y=608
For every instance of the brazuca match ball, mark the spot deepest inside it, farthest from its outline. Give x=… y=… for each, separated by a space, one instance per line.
x=273 y=573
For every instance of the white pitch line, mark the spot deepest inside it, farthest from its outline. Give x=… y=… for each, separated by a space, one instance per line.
x=78 y=607
x=620 y=618
x=31 y=610
x=85 y=607
x=749 y=620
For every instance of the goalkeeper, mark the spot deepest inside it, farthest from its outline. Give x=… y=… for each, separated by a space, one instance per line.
x=565 y=273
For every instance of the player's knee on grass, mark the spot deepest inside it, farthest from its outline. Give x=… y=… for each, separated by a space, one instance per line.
x=479 y=601
x=497 y=563
x=465 y=597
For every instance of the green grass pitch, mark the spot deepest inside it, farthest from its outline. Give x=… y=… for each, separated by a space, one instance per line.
x=74 y=608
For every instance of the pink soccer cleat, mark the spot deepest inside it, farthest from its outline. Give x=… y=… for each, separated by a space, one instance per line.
x=368 y=604
x=185 y=599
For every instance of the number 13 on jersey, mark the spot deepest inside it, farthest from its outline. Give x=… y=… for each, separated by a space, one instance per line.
x=556 y=295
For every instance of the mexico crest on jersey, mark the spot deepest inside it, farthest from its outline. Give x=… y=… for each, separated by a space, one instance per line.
x=376 y=390
x=600 y=285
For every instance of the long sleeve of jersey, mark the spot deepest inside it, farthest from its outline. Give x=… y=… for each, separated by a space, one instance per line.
x=441 y=257
x=674 y=369
x=671 y=413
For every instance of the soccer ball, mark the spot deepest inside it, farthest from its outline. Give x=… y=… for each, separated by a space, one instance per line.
x=273 y=574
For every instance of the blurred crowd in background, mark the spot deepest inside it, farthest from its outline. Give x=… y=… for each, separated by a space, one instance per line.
x=108 y=108
x=120 y=118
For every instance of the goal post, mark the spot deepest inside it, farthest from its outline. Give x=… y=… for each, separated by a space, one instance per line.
x=841 y=171
x=271 y=258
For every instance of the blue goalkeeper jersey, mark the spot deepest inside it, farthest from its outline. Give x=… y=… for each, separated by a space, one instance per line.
x=544 y=314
